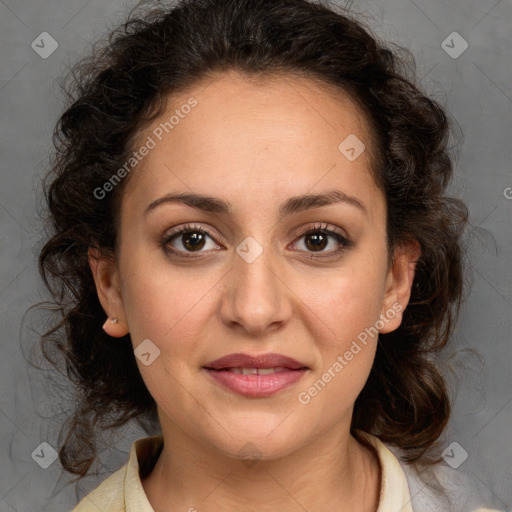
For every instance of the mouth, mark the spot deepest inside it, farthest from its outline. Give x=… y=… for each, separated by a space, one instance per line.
x=259 y=362
x=254 y=371
x=255 y=376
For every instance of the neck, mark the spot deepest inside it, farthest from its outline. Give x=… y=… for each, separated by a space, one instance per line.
x=336 y=473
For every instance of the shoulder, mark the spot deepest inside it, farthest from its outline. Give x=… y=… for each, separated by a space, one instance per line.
x=123 y=489
x=443 y=488
x=107 y=497
x=438 y=487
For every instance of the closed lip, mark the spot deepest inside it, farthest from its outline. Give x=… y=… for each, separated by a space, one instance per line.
x=241 y=360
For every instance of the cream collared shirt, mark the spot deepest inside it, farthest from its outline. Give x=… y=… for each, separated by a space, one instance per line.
x=123 y=492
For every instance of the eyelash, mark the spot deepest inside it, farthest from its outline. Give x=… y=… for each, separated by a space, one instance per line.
x=319 y=228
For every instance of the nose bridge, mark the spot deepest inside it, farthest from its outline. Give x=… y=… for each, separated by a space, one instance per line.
x=256 y=297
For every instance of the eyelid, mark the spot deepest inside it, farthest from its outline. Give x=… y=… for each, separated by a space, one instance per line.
x=323 y=226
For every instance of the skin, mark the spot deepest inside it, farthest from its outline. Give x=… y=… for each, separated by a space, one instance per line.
x=255 y=144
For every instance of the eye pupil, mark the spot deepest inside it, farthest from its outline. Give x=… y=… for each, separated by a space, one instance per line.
x=196 y=238
x=319 y=241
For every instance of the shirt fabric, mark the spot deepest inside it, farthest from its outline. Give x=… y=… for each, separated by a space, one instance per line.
x=402 y=490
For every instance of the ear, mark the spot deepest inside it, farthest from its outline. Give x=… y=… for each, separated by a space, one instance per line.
x=399 y=284
x=106 y=278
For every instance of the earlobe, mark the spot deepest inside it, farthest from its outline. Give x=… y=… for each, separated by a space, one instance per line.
x=115 y=329
x=106 y=278
x=399 y=284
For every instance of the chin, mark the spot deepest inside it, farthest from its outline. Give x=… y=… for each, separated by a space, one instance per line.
x=258 y=441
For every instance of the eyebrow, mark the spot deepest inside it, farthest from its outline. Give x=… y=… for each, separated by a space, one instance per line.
x=290 y=206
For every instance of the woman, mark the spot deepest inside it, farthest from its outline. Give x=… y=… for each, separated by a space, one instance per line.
x=252 y=241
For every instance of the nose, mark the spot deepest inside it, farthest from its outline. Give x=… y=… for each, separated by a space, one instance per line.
x=256 y=299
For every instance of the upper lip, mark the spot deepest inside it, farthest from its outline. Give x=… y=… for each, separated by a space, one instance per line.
x=257 y=361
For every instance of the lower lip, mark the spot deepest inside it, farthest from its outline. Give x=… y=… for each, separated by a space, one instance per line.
x=256 y=386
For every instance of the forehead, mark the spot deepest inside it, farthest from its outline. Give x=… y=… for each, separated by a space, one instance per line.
x=249 y=135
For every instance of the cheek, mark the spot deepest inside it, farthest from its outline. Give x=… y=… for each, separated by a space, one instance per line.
x=166 y=305
x=171 y=311
x=351 y=315
x=350 y=299
x=344 y=314
x=346 y=340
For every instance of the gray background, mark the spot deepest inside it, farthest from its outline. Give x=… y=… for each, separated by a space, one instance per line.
x=475 y=88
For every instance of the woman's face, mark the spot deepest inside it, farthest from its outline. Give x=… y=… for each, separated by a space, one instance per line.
x=246 y=278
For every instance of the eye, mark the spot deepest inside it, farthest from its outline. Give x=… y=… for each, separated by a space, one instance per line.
x=188 y=239
x=319 y=237
x=191 y=239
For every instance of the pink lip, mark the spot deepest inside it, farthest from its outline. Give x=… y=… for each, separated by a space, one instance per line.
x=255 y=386
x=258 y=361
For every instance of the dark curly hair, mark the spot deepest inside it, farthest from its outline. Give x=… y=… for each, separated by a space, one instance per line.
x=124 y=84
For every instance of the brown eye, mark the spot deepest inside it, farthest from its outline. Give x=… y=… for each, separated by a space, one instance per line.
x=193 y=240
x=316 y=241
x=189 y=239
